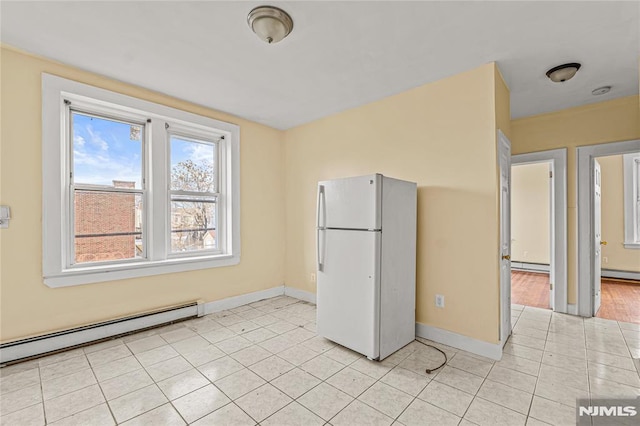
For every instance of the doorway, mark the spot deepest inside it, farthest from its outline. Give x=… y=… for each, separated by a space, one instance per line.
x=539 y=230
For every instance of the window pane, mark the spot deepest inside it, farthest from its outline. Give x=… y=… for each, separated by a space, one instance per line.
x=193 y=224
x=106 y=152
x=192 y=165
x=108 y=226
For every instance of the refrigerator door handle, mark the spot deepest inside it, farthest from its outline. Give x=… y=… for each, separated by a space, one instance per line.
x=319 y=227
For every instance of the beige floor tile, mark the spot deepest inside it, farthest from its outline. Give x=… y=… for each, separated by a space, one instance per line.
x=251 y=355
x=523 y=352
x=201 y=402
x=182 y=384
x=271 y=368
x=293 y=414
x=263 y=402
x=102 y=345
x=164 y=415
x=535 y=422
x=299 y=334
x=191 y=344
x=116 y=368
x=146 y=344
x=64 y=368
x=107 y=355
x=601 y=388
x=614 y=374
x=20 y=380
x=277 y=344
x=611 y=360
x=22 y=398
x=229 y=415
x=446 y=397
x=233 y=344
x=127 y=383
x=65 y=384
x=519 y=364
x=325 y=400
x=459 y=379
x=373 y=369
x=72 y=403
x=220 y=368
x=171 y=367
x=506 y=396
x=218 y=335
x=527 y=341
x=280 y=327
x=265 y=320
x=351 y=381
x=359 y=414
x=322 y=367
x=137 y=402
x=259 y=335
x=513 y=378
x=386 y=399
x=555 y=391
x=30 y=416
x=523 y=328
x=470 y=364
x=243 y=327
x=482 y=412
x=342 y=355
x=156 y=355
x=239 y=383
x=59 y=357
x=565 y=362
x=178 y=334
x=319 y=344
x=561 y=376
x=420 y=413
x=295 y=382
x=297 y=355
x=202 y=356
x=100 y=415
x=552 y=412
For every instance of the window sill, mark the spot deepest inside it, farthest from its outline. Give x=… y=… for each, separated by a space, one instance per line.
x=632 y=246
x=113 y=272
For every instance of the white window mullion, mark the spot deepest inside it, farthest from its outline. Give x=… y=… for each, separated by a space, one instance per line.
x=158 y=215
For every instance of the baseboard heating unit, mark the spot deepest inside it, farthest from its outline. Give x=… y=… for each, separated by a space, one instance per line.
x=53 y=342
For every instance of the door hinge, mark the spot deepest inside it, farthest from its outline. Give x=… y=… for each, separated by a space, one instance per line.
x=550 y=286
x=550 y=174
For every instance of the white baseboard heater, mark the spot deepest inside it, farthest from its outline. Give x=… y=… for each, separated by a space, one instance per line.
x=53 y=342
x=527 y=266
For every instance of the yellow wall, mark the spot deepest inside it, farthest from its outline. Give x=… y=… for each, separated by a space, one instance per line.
x=443 y=136
x=530 y=213
x=29 y=307
x=611 y=121
x=617 y=257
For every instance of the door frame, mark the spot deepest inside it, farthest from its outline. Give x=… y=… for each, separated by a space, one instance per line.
x=584 y=193
x=558 y=161
x=505 y=284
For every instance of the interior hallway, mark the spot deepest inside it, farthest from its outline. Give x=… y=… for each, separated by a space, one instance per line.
x=620 y=299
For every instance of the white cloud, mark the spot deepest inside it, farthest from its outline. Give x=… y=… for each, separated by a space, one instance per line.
x=199 y=152
x=79 y=141
x=96 y=139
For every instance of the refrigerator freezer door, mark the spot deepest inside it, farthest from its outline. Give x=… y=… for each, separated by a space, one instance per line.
x=348 y=290
x=350 y=203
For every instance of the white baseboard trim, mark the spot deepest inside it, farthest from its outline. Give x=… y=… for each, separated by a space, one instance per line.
x=458 y=341
x=572 y=309
x=40 y=345
x=296 y=293
x=624 y=275
x=535 y=267
x=243 y=299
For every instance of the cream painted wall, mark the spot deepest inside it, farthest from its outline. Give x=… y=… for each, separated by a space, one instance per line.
x=29 y=307
x=530 y=210
x=443 y=136
x=610 y=121
x=619 y=258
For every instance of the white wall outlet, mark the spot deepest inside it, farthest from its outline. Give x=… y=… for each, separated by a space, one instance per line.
x=312 y=277
x=605 y=259
x=439 y=301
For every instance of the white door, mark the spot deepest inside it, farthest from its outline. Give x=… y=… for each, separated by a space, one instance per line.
x=597 y=227
x=350 y=203
x=348 y=290
x=504 y=160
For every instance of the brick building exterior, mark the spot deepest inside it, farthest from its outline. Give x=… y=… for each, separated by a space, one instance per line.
x=99 y=215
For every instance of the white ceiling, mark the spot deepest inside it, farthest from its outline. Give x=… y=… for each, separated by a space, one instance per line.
x=340 y=54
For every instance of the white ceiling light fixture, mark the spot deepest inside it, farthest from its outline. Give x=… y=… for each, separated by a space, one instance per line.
x=563 y=72
x=270 y=23
x=601 y=90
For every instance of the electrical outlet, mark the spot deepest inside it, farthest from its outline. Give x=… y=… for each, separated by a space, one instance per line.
x=312 y=277
x=605 y=259
x=439 y=301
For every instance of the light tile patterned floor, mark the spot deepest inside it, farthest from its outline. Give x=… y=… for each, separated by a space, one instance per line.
x=262 y=363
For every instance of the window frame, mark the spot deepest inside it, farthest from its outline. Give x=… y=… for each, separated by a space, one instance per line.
x=56 y=197
x=631 y=170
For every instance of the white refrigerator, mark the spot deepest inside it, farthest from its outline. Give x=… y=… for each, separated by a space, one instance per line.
x=366 y=263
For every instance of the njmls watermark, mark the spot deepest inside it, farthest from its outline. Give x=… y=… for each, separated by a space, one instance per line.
x=608 y=412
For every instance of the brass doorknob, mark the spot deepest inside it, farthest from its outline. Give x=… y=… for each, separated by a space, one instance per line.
x=506 y=257
x=603 y=243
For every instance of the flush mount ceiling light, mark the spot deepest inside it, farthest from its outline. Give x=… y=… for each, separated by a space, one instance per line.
x=564 y=72
x=601 y=90
x=270 y=23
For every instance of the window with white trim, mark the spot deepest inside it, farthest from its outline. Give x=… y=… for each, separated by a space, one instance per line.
x=631 y=200
x=132 y=188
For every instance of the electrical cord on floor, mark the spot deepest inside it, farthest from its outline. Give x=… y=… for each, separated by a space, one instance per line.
x=429 y=371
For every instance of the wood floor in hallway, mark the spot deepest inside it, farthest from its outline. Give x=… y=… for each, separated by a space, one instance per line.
x=620 y=299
